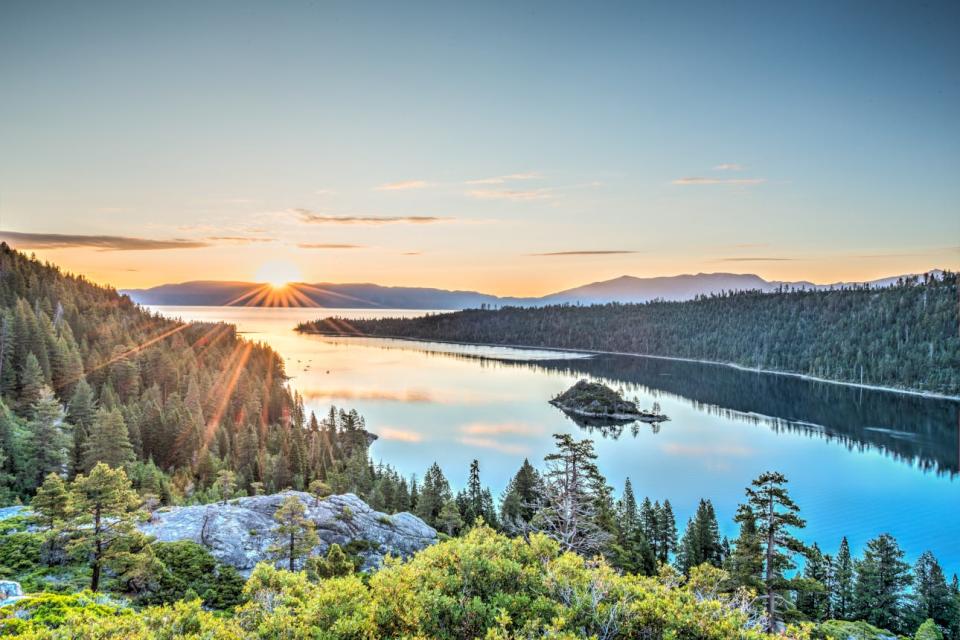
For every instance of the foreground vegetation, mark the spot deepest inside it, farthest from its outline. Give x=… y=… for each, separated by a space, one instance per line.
x=902 y=336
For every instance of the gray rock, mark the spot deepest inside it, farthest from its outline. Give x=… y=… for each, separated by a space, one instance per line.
x=10 y=592
x=238 y=533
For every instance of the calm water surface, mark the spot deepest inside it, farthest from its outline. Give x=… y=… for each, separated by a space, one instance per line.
x=859 y=462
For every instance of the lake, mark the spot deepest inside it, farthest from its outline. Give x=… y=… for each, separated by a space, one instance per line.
x=860 y=462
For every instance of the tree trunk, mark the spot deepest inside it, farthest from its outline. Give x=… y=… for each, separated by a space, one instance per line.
x=771 y=602
x=97 y=552
x=291 y=550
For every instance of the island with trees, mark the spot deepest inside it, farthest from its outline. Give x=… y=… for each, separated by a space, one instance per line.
x=596 y=403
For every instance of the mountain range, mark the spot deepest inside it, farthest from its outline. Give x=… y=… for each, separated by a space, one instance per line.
x=373 y=296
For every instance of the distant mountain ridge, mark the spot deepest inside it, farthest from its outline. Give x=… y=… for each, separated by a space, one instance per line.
x=374 y=296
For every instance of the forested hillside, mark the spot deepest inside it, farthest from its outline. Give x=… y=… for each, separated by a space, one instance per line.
x=87 y=376
x=903 y=336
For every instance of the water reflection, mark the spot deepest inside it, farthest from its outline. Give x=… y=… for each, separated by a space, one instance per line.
x=914 y=429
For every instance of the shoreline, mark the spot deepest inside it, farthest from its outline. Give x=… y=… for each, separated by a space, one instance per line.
x=803 y=376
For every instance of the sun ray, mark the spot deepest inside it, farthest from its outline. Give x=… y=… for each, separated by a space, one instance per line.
x=125 y=354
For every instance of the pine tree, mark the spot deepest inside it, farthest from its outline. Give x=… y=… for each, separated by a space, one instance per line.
x=628 y=517
x=882 y=577
x=842 y=588
x=32 y=384
x=434 y=494
x=81 y=412
x=665 y=528
x=108 y=441
x=701 y=540
x=449 y=518
x=46 y=441
x=335 y=564
x=520 y=500
x=295 y=535
x=572 y=487
x=813 y=598
x=52 y=501
x=103 y=517
x=932 y=597
x=776 y=514
x=745 y=563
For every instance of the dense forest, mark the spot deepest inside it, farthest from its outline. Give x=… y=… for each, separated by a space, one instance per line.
x=903 y=336
x=88 y=376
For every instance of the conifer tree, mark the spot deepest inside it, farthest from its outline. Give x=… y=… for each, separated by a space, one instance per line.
x=776 y=514
x=842 y=585
x=108 y=441
x=103 y=517
x=46 y=441
x=32 y=384
x=449 y=519
x=572 y=487
x=52 y=501
x=813 y=598
x=520 y=499
x=931 y=596
x=745 y=564
x=701 y=540
x=882 y=577
x=434 y=494
x=295 y=535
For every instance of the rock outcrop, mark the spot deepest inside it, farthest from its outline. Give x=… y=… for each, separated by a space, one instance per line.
x=10 y=592
x=238 y=533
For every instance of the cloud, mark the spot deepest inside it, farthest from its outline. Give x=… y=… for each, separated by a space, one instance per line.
x=240 y=239
x=703 y=181
x=100 y=243
x=316 y=218
x=728 y=166
x=762 y=259
x=603 y=252
x=412 y=253
x=510 y=194
x=487 y=443
x=530 y=175
x=322 y=245
x=401 y=435
x=404 y=185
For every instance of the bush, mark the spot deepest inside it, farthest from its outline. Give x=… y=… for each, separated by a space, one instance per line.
x=188 y=566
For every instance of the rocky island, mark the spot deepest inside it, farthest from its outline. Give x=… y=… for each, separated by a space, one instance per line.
x=594 y=403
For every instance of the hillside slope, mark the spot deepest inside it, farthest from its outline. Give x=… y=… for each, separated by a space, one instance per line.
x=903 y=336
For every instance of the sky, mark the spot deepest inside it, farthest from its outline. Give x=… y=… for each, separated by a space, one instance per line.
x=512 y=148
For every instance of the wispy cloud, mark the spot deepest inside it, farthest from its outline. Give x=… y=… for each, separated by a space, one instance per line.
x=23 y=240
x=530 y=175
x=412 y=253
x=728 y=166
x=403 y=185
x=240 y=239
x=317 y=218
x=756 y=259
x=696 y=180
x=510 y=194
x=585 y=252
x=329 y=245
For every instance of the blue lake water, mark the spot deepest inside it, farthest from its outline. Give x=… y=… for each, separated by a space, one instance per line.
x=859 y=462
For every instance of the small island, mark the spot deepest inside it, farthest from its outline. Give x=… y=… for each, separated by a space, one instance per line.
x=592 y=401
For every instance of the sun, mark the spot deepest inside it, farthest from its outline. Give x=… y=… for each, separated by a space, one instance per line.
x=278 y=273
